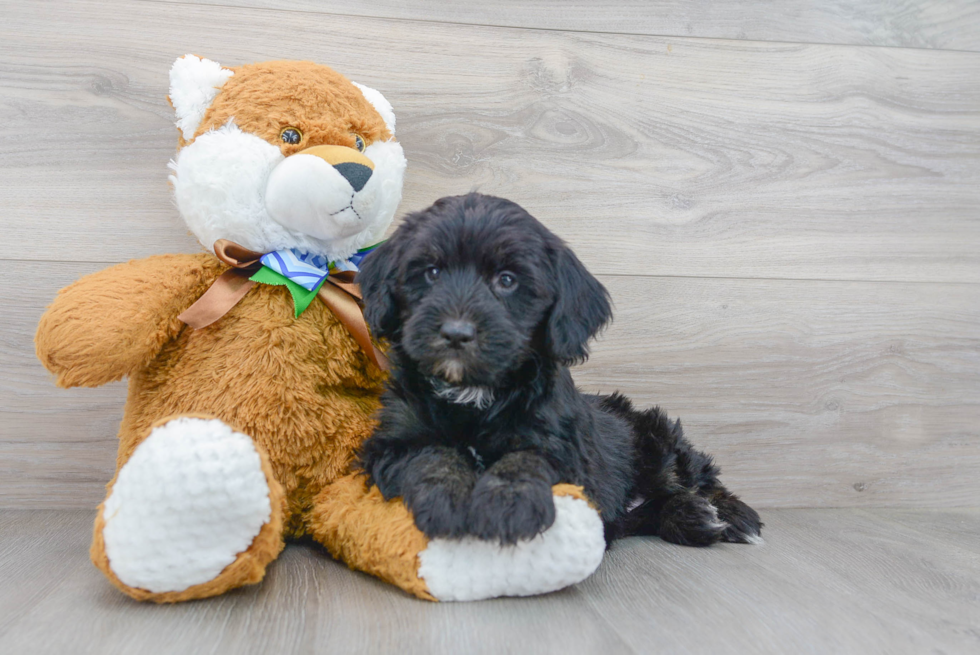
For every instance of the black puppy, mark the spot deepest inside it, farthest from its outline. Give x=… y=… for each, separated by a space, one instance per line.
x=485 y=309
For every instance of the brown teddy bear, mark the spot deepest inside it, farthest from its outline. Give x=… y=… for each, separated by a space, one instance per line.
x=252 y=378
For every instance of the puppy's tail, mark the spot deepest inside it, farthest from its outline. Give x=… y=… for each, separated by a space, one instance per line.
x=676 y=491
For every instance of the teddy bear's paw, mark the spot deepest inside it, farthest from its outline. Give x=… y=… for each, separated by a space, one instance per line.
x=192 y=497
x=473 y=569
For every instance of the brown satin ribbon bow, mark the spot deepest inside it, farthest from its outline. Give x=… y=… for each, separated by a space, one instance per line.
x=339 y=293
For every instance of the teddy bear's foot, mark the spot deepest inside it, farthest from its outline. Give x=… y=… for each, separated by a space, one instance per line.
x=357 y=525
x=194 y=512
x=564 y=554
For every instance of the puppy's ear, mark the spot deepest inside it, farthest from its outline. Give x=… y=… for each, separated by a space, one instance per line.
x=581 y=309
x=378 y=277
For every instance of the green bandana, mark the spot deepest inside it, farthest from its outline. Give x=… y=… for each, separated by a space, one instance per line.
x=302 y=297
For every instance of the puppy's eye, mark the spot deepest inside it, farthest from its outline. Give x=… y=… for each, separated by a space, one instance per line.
x=432 y=274
x=291 y=135
x=506 y=281
x=359 y=143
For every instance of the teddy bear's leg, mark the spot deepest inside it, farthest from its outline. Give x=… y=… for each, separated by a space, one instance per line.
x=379 y=537
x=193 y=512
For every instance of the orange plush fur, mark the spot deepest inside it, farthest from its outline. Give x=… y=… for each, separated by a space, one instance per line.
x=321 y=104
x=300 y=387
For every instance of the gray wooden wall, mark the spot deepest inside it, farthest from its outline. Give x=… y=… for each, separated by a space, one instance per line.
x=784 y=203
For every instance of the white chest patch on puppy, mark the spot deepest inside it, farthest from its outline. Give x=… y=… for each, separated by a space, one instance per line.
x=189 y=500
x=472 y=569
x=478 y=397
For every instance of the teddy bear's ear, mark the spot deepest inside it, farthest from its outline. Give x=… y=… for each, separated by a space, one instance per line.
x=194 y=82
x=381 y=104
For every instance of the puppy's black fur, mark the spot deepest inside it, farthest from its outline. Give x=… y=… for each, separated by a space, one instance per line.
x=485 y=309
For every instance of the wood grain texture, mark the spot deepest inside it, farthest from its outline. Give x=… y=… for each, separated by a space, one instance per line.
x=809 y=393
x=789 y=231
x=950 y=25
x=650 y=155
x=841 y=581
x=57 y=446
x=828 y=581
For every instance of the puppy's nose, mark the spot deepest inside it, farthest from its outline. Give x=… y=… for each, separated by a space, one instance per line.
x=458 y=333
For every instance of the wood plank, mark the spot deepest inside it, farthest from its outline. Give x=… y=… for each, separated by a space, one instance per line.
x=951 y=25
x=54 y=443
x=37 y=551
x=842 y=581
x=957 y=529
x=809 y=393
x=827 y=581
x=650 y=155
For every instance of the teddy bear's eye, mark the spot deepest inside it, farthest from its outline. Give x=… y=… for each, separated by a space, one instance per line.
x=291 y=135
x=359 y=143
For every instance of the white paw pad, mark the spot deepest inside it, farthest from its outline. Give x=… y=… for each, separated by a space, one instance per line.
x=471 y=569
x=189 y=500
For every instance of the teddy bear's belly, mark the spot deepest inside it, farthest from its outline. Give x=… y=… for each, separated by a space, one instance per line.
x=300 y=387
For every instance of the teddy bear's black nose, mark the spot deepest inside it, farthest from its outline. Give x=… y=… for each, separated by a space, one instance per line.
x=357 y=174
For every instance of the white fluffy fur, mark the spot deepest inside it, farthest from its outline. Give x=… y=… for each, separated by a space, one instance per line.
x=189 y=500
x=220 y=182
x=380 y=104
x=470 y=569
x=194 y=83
x=377 y=202
x=308 y=195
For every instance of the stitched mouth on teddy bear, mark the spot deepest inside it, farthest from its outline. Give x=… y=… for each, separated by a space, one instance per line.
x=307 y=193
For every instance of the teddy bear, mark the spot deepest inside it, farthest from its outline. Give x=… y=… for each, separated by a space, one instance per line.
x=252 y=377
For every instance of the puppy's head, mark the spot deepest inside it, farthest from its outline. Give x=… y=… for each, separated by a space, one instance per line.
x=474 y=286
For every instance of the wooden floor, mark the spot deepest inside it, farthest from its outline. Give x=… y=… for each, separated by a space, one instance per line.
x=826 y=581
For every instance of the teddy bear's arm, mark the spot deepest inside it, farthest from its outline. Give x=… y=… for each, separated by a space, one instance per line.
x=359 y=526
x=111 y=323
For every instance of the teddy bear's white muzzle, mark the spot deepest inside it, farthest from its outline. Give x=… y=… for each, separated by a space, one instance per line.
x=309 y=195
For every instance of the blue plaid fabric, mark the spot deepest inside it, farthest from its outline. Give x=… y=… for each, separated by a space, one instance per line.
x=309 y=270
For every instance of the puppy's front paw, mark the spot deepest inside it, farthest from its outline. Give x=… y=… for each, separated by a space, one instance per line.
x=439 y=510
x=509 y=511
